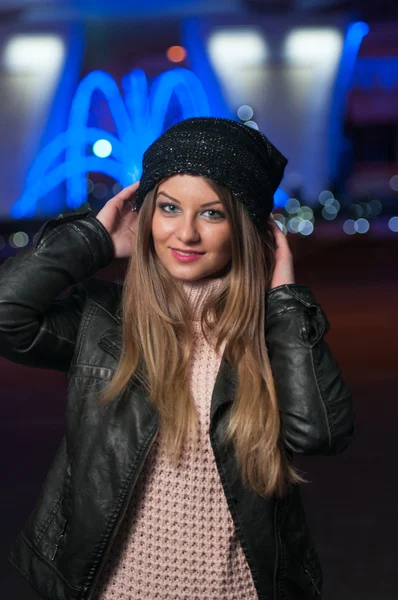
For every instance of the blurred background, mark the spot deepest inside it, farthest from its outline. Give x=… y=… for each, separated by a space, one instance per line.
x=86 y=86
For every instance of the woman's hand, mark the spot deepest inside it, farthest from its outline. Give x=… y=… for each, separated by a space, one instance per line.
x=120 y=221
x=284 y=270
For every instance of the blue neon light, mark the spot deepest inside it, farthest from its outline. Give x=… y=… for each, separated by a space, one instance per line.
x=139 y=119
x=352 y=43
x=374 y=71
x=280 y=198
x=57 y=119
x=195 y=42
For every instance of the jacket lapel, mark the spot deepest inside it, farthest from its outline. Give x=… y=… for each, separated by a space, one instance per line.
x=226 y=380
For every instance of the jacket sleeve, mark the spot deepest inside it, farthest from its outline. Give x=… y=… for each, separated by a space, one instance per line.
x=315 y=403
x=36 y=328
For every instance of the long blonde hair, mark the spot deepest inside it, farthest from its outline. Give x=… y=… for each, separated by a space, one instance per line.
x=157 y=343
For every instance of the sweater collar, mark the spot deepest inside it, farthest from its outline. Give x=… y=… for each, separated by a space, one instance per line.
x=198 y=291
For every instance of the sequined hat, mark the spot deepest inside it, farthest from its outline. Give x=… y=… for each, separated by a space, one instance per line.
x=232 y=154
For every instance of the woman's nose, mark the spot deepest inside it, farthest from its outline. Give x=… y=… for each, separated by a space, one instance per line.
x=188 y=230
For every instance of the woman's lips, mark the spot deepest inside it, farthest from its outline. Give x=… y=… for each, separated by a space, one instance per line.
x=185 y=257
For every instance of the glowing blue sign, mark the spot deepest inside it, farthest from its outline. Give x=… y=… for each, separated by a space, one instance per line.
x=374 y=71
x=352 y=43
x=139 y=119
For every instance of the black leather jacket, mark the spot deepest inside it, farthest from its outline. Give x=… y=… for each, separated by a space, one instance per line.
x=66 y=539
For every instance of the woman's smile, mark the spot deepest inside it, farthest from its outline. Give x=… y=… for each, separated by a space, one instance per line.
x=185 y=256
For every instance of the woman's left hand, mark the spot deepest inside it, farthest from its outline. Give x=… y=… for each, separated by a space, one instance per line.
x=284 y=270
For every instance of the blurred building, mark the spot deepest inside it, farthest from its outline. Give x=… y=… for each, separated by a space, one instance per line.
x=319 y=77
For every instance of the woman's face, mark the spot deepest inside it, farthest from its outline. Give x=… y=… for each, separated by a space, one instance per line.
x=180 y=220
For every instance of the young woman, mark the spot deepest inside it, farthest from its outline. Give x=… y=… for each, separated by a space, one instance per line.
x=190 y=387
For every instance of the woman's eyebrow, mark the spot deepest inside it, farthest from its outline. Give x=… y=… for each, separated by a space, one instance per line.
x=202 y=205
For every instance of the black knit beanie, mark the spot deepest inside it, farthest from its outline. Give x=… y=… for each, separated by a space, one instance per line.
x=232 y=154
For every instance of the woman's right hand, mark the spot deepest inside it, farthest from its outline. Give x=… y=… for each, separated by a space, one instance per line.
x=120 y=221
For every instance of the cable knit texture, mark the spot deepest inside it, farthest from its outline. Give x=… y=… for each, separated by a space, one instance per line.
x=178 y=540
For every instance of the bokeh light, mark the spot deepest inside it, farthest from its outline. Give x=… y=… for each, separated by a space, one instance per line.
x=301 y=42
x=102 y=148
x=295 y=224
x=100 y=191
x=280 y=219
x=331 y=207
x=252 y=124
x=245 y=112
x=325 y=196
x=281 y=225
x=394 y=183
x=349 y=227
x=292 y=206
x=33 y=53
x=376 y=207
x=362 y=225
x=19 y=239
x=306 y=213
x=393 y=224
x=329 y=213
x=307 y=228
x=357 y=211
x=237 y=49
x=366 y=209
x=176 y=54
x=116 y=188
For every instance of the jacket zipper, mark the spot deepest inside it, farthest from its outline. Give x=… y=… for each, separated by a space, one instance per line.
x=120 y=518
x=56 y=548
x=311 y=579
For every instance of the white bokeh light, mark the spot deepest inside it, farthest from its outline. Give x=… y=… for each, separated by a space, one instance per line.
x=252 y=124
x=237 y=48
x=313 y=46
x=325 y=196
x=19 y=239
x=362 y=225
x=349 y=227
x=33 y=53
x=292 y=206
x=102 y=148
x=308 y=228
x=245 y=112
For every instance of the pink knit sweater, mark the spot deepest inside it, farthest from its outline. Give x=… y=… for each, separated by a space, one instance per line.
x=177 y=540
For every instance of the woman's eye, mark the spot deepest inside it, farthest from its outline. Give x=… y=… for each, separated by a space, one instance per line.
x=218 y=214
